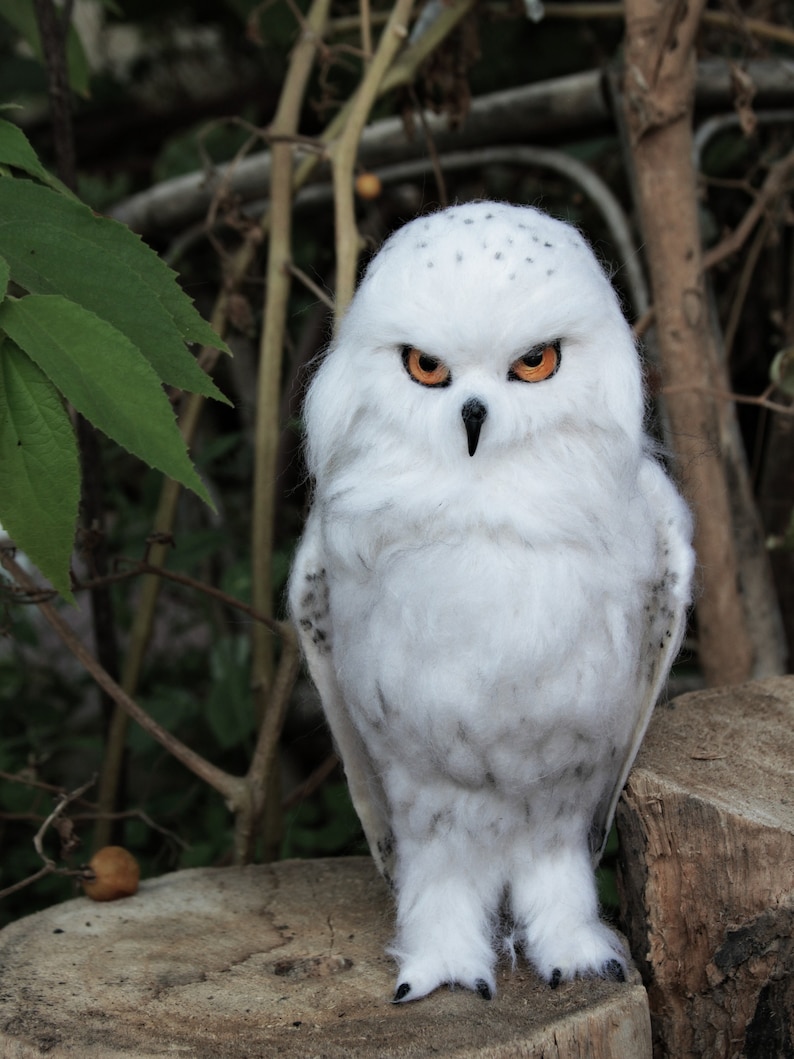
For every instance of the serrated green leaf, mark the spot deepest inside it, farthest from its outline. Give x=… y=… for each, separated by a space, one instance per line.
x=5 y=275
x=105 y=377
x=58 y=246
x=23 y=18
x=39 y=467
x=16 y=151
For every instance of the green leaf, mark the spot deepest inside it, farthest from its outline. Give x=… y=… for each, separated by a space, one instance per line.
x=22 y=17
x=16 y=150
x=56 y=245
x=105 y=377
x=39 y=467
x=5 y=275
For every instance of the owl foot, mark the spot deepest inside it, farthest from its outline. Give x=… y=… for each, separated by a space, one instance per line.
x=612 y=969
x=555 y=904
x=403 y=991
x=592 y=950
x=482 y=987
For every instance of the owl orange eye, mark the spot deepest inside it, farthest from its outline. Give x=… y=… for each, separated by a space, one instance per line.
x=424 y=369
x=539 y=364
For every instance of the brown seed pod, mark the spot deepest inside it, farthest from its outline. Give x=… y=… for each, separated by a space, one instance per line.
x=111 y=873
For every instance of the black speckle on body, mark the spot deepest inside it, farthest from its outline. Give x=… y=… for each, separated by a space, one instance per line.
x=314 y=603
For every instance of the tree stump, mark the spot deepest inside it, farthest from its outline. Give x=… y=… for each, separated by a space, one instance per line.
x=707 y=872
x=279 y=960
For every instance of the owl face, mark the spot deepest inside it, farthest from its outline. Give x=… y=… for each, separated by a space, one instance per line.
x=477 y=332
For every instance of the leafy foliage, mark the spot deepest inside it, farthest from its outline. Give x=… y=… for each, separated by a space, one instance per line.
x=140 y=124
x=103 y=323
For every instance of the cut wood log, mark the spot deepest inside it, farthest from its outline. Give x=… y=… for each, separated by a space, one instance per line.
x=279 y=960
x=706 y=872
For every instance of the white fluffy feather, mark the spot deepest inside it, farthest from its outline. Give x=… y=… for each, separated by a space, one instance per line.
x=488 y=633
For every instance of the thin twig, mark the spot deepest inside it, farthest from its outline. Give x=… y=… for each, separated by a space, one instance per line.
x=49 y=867
x=773 y=186
x=749 y=262
x=92 y=807
x=63 y=801
x=232 y=788
x=53 y=26
x=345 y=149
x=261 y=771
x=432 y=150
x=45 y=870
x=38 y=785
x=310 y=285
x=312 y=782
x=366 y=30
x=140 y=568
x=761 y=401
x=267 y=428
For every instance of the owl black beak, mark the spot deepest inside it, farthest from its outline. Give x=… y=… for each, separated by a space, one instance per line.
x=473 y=413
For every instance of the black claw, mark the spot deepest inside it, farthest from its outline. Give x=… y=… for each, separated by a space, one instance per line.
x=482 y=987
x=401 y=993
x=556 y=978
x=614 y=969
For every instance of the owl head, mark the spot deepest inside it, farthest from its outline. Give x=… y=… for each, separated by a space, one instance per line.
x=482 y=333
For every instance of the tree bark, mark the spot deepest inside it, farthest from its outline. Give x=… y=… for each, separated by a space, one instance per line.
x=706 y=860
x=659 y=94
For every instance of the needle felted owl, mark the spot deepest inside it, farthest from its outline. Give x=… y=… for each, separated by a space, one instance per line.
x=491 y=586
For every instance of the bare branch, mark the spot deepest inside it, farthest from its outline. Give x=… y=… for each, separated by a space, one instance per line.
x=344 y=151
x=761 y=401
x=232 y=788
x=63 y=801
x=773 y=186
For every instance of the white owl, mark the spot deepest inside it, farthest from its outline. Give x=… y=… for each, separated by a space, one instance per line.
x=491 y=587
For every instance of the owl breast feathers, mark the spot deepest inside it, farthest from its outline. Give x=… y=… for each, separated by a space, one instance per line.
x=491 y=587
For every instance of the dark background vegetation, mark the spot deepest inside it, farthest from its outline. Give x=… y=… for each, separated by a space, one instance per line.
x=170 y=105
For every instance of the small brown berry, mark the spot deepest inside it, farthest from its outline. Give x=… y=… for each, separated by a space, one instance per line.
x=368 y=186
x=112 y=872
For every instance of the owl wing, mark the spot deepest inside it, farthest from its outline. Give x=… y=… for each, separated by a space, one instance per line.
x=309 y=599
x=665 y=621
